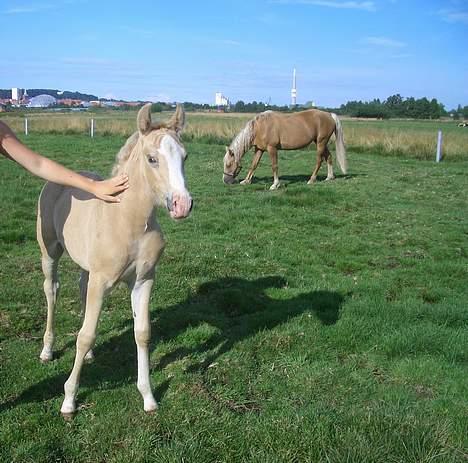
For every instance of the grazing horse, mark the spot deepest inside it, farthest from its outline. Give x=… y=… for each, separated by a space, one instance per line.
x=271 y=131
x=114 y=242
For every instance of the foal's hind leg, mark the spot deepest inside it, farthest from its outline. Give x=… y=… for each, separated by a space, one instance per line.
x=84 y=277
x=50 y=258
x=97 y=286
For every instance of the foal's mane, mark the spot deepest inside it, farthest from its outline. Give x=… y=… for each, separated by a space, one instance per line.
x=127 y=148
x=243 y=140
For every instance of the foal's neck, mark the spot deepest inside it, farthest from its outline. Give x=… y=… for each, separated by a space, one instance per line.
x=137 y=203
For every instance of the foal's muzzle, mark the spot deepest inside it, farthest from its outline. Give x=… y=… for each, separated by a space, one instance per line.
x=179 y=205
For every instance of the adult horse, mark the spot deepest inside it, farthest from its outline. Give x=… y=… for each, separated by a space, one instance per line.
x=271 y=131
x=115 y=242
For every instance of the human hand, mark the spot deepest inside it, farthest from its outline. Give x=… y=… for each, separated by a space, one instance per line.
x=108 y=189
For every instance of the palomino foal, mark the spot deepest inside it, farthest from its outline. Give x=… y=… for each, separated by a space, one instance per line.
x=115 y=242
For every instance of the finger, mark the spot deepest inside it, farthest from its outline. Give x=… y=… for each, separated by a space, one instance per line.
x=111 y=199
x=123 y=178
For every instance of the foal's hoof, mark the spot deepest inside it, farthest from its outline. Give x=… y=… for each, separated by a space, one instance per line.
x=46 y=357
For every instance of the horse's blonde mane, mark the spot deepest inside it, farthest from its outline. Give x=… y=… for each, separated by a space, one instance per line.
x=243 y=140
x=125 y=152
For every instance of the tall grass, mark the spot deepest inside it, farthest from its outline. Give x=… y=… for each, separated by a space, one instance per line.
x=412 y=139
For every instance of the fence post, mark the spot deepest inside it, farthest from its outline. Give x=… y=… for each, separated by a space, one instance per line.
x=25 y=125
x=92 y=128
x=439 y=146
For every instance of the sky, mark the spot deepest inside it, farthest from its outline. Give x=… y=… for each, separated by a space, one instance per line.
x=183 y=50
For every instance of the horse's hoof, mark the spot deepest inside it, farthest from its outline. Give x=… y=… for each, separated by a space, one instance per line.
x=275 y=186
x=68 y=416
x=329 y=178
x=89 y=357
x=245 y=182
x=311 y=182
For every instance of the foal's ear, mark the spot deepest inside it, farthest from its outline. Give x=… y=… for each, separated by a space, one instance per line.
x=144 y=118
x=177 y=121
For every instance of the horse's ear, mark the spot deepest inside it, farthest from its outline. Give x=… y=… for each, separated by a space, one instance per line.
x=177 y=121
x=144 y=118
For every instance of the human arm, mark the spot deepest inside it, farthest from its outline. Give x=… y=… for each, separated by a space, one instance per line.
x=52 y=171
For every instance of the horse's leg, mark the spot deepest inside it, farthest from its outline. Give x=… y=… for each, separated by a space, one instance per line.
x=327 y=156
x=50 y=258
x=141 y=292
x=321 y=146
x=273 y=152
x=97 y=286
x=84 y=278
x=256 y=159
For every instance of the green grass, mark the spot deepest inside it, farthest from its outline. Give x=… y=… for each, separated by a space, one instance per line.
x=324 y=323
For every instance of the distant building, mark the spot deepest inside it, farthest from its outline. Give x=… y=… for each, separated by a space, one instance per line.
x=221 y=100
x=42 y=101
x=16 y=94
x=69 y=102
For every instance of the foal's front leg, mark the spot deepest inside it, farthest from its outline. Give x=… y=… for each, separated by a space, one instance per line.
x=141 y=292
x=97 y=286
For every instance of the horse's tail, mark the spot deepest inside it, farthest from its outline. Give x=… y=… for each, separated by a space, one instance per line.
x=339 y=143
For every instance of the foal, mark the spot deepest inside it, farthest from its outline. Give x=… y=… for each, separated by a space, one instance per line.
x=115 y=242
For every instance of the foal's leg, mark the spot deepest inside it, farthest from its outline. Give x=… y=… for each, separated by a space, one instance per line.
x=141 y=292
x=51 y=289
x=321 y=146
x=273 y=152
x=256 y=159
x=84 y=278
x=327 y=156
x=97 y=286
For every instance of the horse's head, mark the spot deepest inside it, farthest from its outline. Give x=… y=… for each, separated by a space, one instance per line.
x=232 y=167
x=163 y=156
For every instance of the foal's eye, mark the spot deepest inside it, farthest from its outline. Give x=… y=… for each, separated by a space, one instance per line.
x=153 y=160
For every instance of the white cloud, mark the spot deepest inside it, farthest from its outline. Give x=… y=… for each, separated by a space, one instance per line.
x=351 y=5
x=162 y=97
x=454 y=16
x=383 y=42
x=28 y=8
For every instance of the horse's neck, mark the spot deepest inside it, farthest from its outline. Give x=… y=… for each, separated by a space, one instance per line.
x=243 y=142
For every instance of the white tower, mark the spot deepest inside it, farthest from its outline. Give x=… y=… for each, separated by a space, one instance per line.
x=293 y=90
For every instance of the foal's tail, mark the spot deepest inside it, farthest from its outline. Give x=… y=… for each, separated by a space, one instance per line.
x=339 y=143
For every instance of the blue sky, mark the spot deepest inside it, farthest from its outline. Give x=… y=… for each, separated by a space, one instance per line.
x=187 y=50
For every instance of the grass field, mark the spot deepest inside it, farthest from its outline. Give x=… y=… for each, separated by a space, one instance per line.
x=408 y=139
x=311 y=324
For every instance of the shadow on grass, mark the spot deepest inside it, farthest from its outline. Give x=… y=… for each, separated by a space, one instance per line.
x=292 y=179
x=236 y=307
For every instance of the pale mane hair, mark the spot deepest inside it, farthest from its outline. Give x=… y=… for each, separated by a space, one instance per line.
x=244 y=139
x=125 y=152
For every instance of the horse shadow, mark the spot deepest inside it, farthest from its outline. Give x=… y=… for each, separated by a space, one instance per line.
x=237 y=308
x=299 y=178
